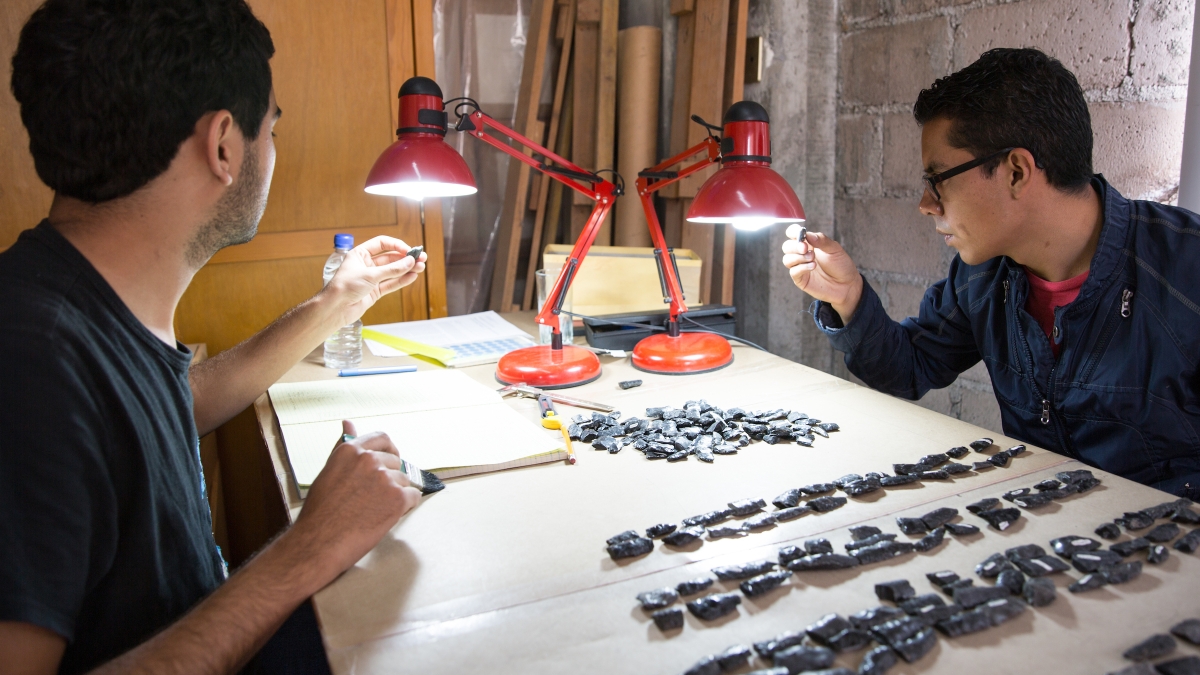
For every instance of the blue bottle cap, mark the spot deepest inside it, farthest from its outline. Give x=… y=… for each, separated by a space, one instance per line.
x=343 y=241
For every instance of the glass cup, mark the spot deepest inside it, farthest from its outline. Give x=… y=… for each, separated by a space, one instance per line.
x=545 y=283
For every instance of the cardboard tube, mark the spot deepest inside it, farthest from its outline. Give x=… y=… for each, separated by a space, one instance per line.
x=639 y=54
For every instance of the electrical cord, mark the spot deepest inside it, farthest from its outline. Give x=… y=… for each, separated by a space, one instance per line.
x=705 y=329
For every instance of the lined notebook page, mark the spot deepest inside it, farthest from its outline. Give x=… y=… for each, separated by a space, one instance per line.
x=442 y=421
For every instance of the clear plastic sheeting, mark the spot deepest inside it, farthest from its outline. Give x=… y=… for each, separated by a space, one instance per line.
x=480 y=48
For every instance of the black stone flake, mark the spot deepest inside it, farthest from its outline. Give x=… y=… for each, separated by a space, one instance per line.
x=896 y=481
x=981 y=444
x=869 y=618
x=1001 y=519
x=953 y=586
x=705 y=666
x=906 y=469
x=710 y=518
x=714 y=606
x=1039 y=592
x=1001 y=609
x=1024 y=551
x=658 y=598
x=1189 y=542
x=1108 y=531
x=743 y=571
x=791 y=514
x=1013 y=494
x=1157 y=554
x=895 y=591
x=912 y=525
x=896 y=631
x=1093 y=561
x=630 y=548
x=1186 y=516
x=1188 y=629
x=823 y=561
x=964 y=623
x=693 y=586
x=847 y=479
x=684 y=536
x=962 y=529
x=1088 y=582
x=914 y=605
x=954 y=468
x=982 y=466
x=819 y=545
x=790 y=553
x=1122 y=573
x=826 y=503
x=660 y=530
x=1135 y=520
x=940 y=474
x=878 y=661
x=1074 y=476
x=1049 y=484
x=1153 y=647
x=818 y=488
x=884 y=550
x=760 y=521
x=1040 y=567
x=869 y=541
x=933 y=460
x=724 y=531
x=863 y=531
x=764 y=583
x=938 y=517
x=985 y=504
x=1013 y=580
x=943 y=578
x=826 y=627
x=733 y=658
x=993 y=565
x=973 y=596
x=1128 y=548
x=1034 y=501
x=744 y=507
x=788 y=499
x=768 y=648
x=913 y=649
x=1163 y=533
x=1188 y=665
x=862 y=487
x=668 y=619
x=999 y=459
x=930 y=541
x=1071 y=544
x=957 y=453
x=800 y=659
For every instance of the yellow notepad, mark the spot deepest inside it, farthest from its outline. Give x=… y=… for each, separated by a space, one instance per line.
x=440 y=420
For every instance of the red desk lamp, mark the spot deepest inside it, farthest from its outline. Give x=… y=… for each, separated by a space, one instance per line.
x=744 y=192
x=420 y=164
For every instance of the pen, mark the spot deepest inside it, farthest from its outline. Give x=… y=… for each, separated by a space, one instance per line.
x=354 y=372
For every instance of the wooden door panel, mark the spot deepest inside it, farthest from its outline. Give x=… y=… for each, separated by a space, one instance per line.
x=330 y=73
x=24 y=199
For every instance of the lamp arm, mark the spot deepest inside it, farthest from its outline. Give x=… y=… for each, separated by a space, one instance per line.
x=668 y=271
x=568 y=173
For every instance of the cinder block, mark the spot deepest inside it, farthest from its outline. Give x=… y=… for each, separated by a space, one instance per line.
x=938 y=400
x=902 y=154
x=858 y=154
x=917 y=6
x=862 y=10
x=903 y=300
x=1162 y=38
x=1090 y=37
x=980 y=408
x=892 y=64
x=1138 y=146
x=891 y=236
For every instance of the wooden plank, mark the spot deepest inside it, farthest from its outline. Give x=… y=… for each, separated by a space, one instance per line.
x=585 y=75
x=681 y=7
x=705 y=100
x=565 y=26
x=431 y=217
x=606 y=102
x=685 y=36
x=516 y=189
x=401 y=66
x=725 y=239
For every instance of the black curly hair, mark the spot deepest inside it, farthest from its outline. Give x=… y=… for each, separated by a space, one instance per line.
x=1016 y=98
x=109 y=89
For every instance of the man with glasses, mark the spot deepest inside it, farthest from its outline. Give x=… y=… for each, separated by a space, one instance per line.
x=1084 y=305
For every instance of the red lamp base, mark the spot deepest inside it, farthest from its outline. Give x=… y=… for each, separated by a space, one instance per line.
x=686 y=354
x=547 y=368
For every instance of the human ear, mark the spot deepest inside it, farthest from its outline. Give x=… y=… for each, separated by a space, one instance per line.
x=1020 y=165
x=223 y=145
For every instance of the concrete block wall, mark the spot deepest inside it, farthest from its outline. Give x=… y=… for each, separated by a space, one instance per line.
x=1131 y=58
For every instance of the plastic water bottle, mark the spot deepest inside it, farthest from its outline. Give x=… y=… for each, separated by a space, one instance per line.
x=343 y=349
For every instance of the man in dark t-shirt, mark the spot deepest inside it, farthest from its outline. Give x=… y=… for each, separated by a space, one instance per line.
x=152 y=121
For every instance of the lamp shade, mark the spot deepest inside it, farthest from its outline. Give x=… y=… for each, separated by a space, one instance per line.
x=420 y=164
x=745 y=191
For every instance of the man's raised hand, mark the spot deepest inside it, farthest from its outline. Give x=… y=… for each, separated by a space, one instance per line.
x=370 y=271
x=820 y=267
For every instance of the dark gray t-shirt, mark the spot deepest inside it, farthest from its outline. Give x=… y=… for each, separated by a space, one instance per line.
x=105 y=532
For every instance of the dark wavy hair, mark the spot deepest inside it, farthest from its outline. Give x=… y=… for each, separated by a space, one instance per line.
x=109 y=89
x=1016 y=98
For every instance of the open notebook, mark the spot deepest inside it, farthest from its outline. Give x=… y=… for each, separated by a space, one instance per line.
x=441 y=420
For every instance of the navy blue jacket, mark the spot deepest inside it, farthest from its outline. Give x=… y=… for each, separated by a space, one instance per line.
x=1123 y=394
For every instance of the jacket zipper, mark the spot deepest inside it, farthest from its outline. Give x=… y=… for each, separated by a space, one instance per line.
x=1006 y=291
x=1126 y=297
x=1046 y=418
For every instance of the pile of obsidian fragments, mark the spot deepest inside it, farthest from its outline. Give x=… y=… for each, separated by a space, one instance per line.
x=1161 y=644
x=698 y=428
x=747 y=515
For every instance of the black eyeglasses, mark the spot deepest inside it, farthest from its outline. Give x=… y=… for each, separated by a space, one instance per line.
x=933 y=179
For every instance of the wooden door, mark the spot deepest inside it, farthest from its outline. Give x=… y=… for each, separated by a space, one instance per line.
x=337 y=70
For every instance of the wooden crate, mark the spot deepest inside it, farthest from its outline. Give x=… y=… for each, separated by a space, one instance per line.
x=617 y=279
